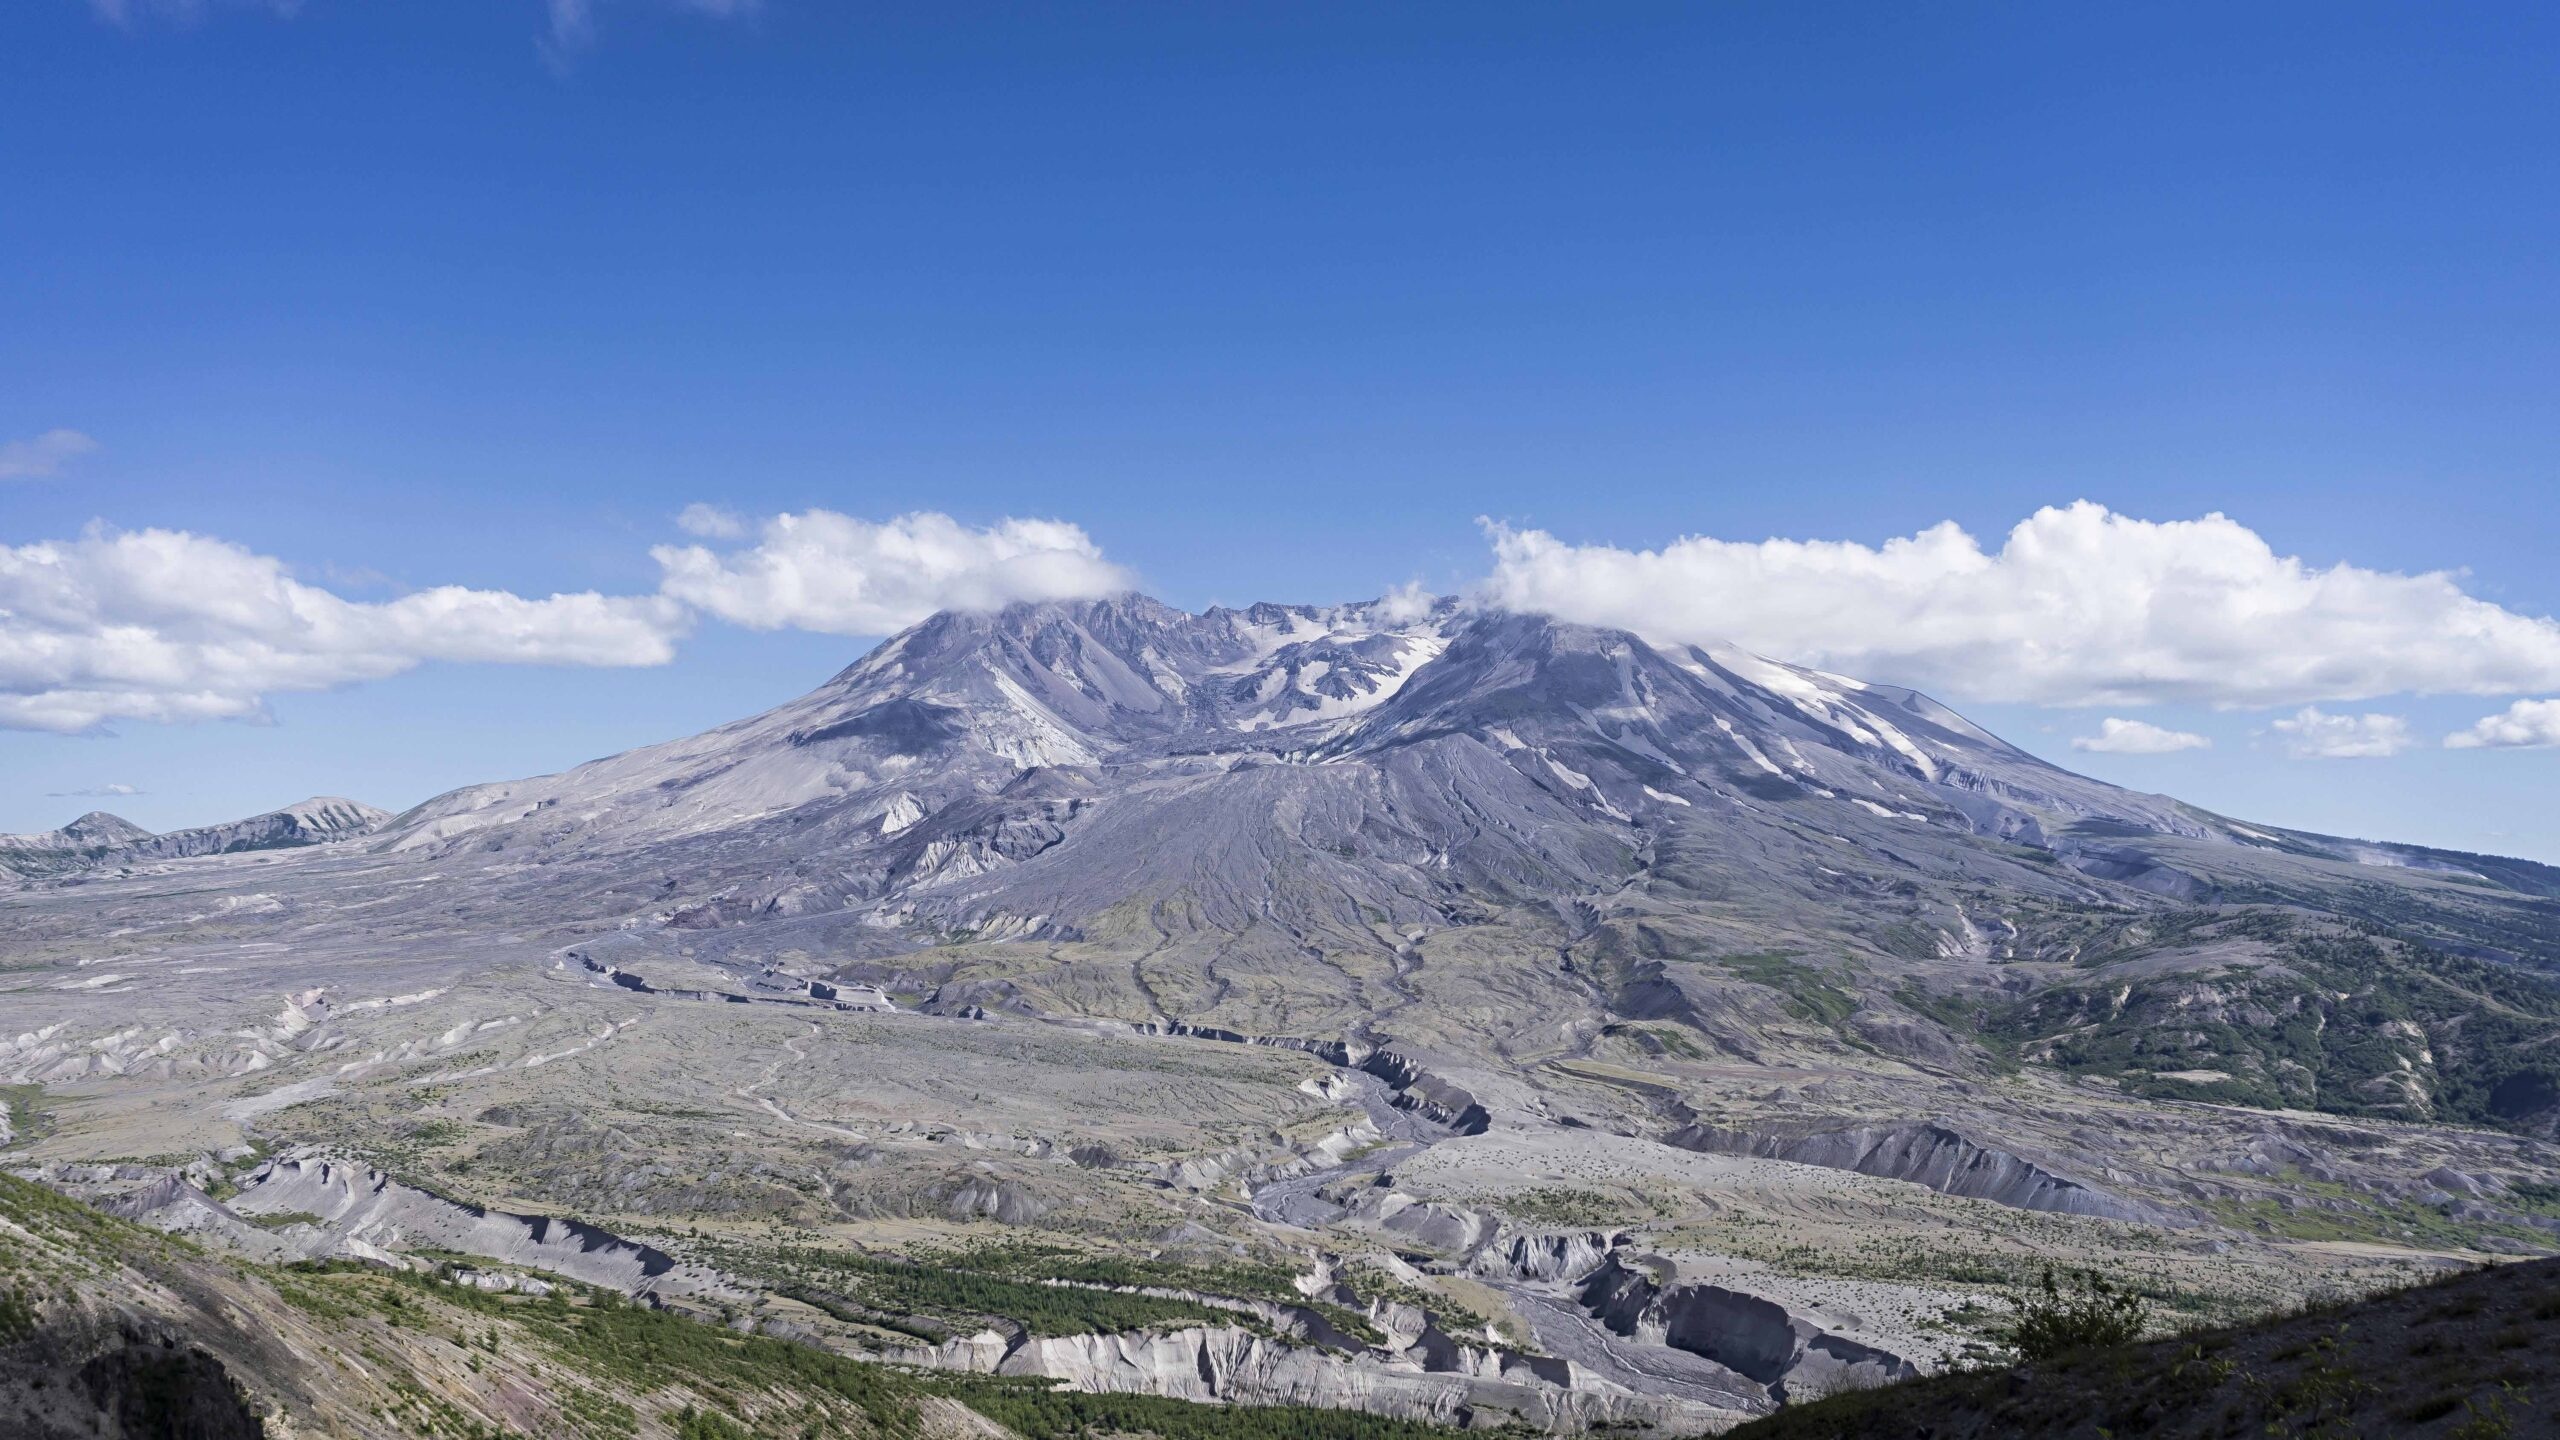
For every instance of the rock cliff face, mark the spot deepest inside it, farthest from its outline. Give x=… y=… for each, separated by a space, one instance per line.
x=365 y=1214
x=1568 y=1256
x=1231 y=1365
x=1414 y=1087
x=1746 y=1334
x=1930 y=1154
x=1410 y=1369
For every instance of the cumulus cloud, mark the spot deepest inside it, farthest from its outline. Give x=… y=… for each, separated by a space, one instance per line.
x=1405 y=603
x=2525 y=723
x=2138 y=737
x=95 y=792
x=818 y=570
x=166 y=625
x=2079 y=606
x=2310 y=734
x=43 y=455
x=711 y=522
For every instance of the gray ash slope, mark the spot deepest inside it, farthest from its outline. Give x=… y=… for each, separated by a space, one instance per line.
x=1289 y=820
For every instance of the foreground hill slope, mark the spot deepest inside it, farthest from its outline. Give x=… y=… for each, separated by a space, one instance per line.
x=2470 y=1356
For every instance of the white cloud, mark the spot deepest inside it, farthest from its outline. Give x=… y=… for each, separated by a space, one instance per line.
x=2525 y=723
x=95 y=792
x=819 y=570
x=2138 y=737
x=711 y=522
x=44 y=455
x=2311 y=734
x=2079 y=606
x=1405 y=603
x=166 y=625
x=573 y=22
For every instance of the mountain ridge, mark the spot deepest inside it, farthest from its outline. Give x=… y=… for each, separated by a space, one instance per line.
x=100 y=839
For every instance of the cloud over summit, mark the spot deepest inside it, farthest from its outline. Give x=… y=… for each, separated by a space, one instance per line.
x=2078 y=606
x=819 y=570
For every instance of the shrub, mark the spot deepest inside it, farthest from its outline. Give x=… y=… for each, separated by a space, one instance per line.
x=2053 y=1321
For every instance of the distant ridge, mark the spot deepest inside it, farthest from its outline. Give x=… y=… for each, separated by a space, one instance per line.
x=98 y=838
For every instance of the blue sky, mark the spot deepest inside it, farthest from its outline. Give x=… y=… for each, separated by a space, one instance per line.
x=1270 y=302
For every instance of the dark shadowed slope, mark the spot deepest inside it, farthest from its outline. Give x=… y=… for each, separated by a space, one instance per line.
x=2475 y=1356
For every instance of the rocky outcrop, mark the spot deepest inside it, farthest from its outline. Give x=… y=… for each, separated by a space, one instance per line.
x=365 y=1214
x=1411 y=1086
x=1568 y=1256
x=1229 y=1365
x=1404 y=1366
x=986 y=1197
x=1428 y=1095
x=1751 y=1336
x=1931 y=1154
x=174 y=1204
x=1453 y=1230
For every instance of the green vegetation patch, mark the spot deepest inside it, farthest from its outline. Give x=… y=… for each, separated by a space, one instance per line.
x=1808 y=994
x=2350 y=1020
x=1567 y=1207
x=625 y=1350
x=29 y=1121
x=1036 y=1410
x=959 y=1298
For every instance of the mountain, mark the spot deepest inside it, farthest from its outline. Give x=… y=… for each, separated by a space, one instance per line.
x=1454 y=1015
x=98 y=839
x=1610 y=730
x=1279 y=787
x=95 y=831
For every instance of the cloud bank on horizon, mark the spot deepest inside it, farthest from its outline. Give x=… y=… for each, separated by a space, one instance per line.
x=163 y=625
x=2079 y=606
